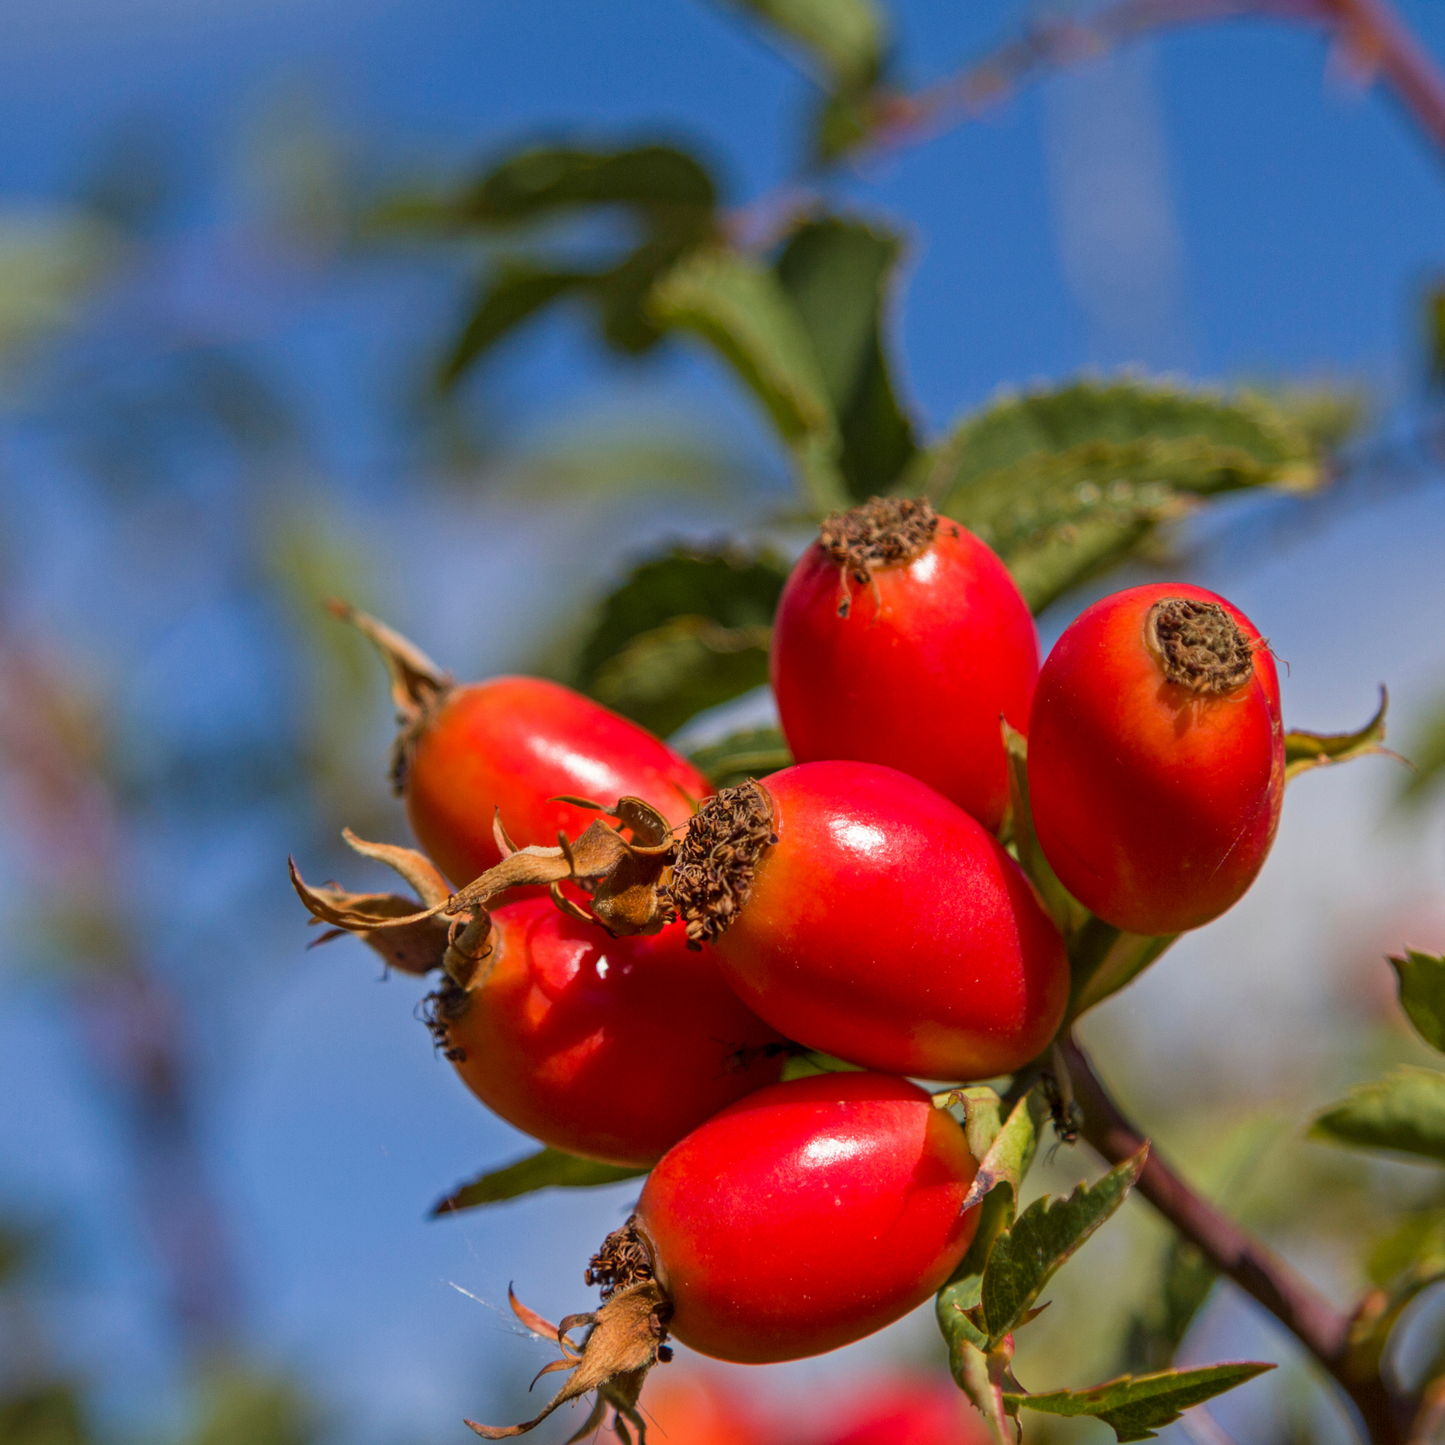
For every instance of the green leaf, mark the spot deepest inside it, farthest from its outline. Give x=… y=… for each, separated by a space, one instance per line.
x=1064 y=909
x=1426 y=754
x=739 y=306
x=836 y=272
x=1422 y=993
x=811 y=1062
x=1044 y=1236
x=546 y=1169
x=1103 y=959
x=684 y=632
x=1404 y=1112
x=1185 y=1280
x=980 y=1375
x=669 y=193
x=1403 y=1266
x=1063 y=484
x=509 y=298
x=753 y=753
x=542 y=180
x=733 y=587
x=1005 y=1154
x=1135 y=1406
x=843 y=39
x=43 y=1415
x=1011 y=1148
x=663 y=677
x=1303 y=751
x=1416 y=1237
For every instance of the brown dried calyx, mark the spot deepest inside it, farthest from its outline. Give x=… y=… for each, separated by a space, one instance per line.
x=450 y=932
x=713 y=872
x=883 y=532
x=625 y=1339
x=1199 y=645
x=418 y=686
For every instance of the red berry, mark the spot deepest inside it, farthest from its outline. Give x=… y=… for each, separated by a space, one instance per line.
x=910 y=1410
x=515 y=743
x=807 y=1215
x=900 y=639
x=861 y=913
x=612 y=1048
x=1156 y=757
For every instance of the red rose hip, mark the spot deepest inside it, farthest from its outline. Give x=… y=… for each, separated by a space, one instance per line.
x=807 y=1215
x=611 y=1048
x=514 y=744
x=861 y=913
x=900 y=639
x=1156 y=757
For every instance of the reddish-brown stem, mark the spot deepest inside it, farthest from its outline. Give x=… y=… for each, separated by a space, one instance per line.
x=1291 y=1299
x=1377 y=39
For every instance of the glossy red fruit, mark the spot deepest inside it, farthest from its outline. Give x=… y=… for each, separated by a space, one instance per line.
x=935 y=644
x=861 y=913
x=908 y=1410
x=1156 y=757
x=514 y=744
x=808 y=1215
x=611 y=1048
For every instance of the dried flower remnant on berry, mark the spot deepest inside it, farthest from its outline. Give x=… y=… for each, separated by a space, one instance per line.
x=883 y=532
x=625 y=1259
x=713 y=872
x=1199 y=645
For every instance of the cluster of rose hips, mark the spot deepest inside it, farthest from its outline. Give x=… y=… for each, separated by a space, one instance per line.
x=667 y=950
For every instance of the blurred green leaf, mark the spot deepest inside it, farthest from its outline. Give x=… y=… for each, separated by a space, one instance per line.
x=47 y=1415
x=1063 y=484
x=517 y=292
x=1134 y=1407
x=249 y=1409
x=546 y=1169
x=811 y=1062
x=14 y=1246
x=664 y=677
x=1415 y=1237
x=1404 y=1112
x=751 y=754
x=542 y=180
x=1103 y=959
x=684 y=632
x=739 y=306
x=1426 y=754
x=844 y=39
x=669 y=193
x=836 y=272
x=733 y=587
x=1153 y=1335
x=1303 y=751
x=1422 y=993
x=1025 y=1257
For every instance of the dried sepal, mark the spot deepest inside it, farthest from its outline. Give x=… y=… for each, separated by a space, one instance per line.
x=416 y=946
x=625 y=1338
x=418 y=685
x=416 y=868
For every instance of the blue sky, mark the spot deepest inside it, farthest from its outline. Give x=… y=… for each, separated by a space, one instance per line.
x=1214 y=203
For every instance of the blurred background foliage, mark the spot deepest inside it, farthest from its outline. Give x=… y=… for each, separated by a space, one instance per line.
x=188 y=468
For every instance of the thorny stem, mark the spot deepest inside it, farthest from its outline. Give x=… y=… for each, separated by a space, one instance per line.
x=1291 y=1299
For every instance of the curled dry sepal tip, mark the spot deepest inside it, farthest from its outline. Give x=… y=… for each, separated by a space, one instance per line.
x=625 y=1338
